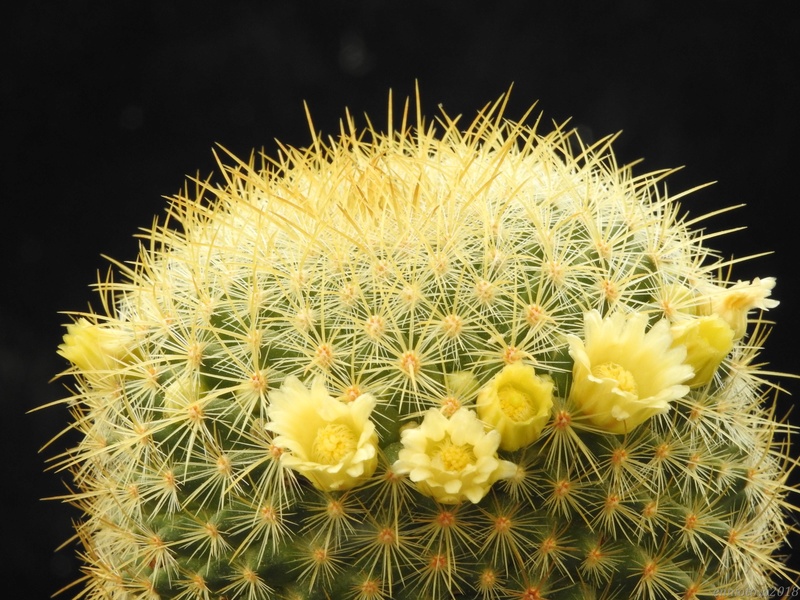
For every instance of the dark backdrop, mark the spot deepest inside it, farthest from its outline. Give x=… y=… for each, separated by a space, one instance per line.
x=106 y=106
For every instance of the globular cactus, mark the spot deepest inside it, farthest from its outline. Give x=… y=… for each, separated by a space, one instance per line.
x=427 y=363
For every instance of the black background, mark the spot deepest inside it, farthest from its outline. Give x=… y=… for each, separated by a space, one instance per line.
x=106 y=106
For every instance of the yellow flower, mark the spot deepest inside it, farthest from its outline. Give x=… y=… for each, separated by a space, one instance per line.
x=707 y=341
x=517 y=403
x=332 y=443
x=96 y=350
x=622 y=376
x=733 y=304
x=452 y=459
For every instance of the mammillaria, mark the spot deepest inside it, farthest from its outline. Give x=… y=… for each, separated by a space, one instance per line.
x=433 y=362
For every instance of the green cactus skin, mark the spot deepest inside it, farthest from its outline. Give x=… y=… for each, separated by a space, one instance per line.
x=415 y=266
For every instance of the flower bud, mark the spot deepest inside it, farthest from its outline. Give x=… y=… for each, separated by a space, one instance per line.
x=96 y=350
x=707 y=340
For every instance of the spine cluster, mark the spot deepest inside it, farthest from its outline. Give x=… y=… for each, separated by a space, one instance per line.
x=427 y=363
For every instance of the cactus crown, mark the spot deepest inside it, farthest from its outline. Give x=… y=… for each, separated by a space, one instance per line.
x=426 y=363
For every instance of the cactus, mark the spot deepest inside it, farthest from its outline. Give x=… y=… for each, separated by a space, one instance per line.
x=427 y=363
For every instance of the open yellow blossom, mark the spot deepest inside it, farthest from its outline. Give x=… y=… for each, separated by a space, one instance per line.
x=707 y=340
x=622 y=375
x=733 y=303
x=452 y=459
x=95 y=349
x=332 y=443
x=517 y=403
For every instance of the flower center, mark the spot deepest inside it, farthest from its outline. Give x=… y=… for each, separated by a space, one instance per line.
x=624 y=378
x=333 y=442
x=516 y=404
x=455 y=457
